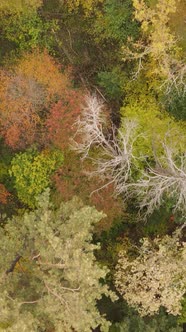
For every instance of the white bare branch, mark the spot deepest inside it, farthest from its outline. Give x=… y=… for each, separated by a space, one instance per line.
x=112 y=153
x=166 y=181
x=176 y=78
x=90 y=126
x=114 y=147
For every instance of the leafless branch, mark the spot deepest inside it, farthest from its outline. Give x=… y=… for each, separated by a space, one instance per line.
x=167 y=180
x=112 y=153
x=13 y=264
x=29 y=302
x=36 y=257
x=114 y=148
x=71 y=289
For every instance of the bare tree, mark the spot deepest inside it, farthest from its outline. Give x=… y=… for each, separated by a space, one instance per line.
x=165 y=181
x=112 y=153
x=114 y=148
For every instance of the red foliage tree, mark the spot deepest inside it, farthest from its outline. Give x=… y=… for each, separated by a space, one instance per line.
x=4 y=194
x=72 y=180
x=62 y=116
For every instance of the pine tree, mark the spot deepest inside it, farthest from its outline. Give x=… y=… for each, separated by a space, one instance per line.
x=49 y=278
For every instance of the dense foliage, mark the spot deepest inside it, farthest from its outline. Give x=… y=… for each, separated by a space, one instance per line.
x=49 y=276
x=92 y=106
x=164 y=258
x=31 y=171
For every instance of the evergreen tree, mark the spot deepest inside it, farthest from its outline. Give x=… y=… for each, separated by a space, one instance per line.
x=49 y=278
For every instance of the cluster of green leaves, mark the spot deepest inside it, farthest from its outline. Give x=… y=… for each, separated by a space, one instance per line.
x=27 y=31
x=158 y=323
x=23 y=28
x=115 y=22
x=182 y=318
x=176 y=104
x=112 y=82
x=113 y=25
x=155 y=126
x=50 y=279
x=31 y=171
x=6 y=157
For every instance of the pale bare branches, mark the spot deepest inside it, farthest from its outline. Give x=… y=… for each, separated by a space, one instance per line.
x=117 y=156
x=111 y=151
x=90 y=126
x=176 y=78
x=114 y=148
x=165 y=181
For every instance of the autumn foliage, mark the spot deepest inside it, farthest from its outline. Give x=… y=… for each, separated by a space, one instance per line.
x=62 y=117
x=72 y=179
x=4 y=194
x=27 y=92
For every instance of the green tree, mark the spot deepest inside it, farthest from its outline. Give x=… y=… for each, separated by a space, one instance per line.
x=32 y=170
x=27 y=31
x=155 y=126
x=115 y=22
x=49 y=277
x=176 y=104
x=140 y=326
x=157 y=323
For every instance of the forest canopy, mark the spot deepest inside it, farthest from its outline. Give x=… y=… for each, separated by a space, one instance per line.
x=92 y=165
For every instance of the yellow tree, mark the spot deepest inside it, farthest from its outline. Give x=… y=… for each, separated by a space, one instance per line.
x=18 y=6
x=87 y=5
x=156 y=277
x=158 y=45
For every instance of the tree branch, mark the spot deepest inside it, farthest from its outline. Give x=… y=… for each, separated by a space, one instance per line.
x=13 y=264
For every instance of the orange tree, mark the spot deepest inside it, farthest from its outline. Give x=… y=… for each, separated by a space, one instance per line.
x=4 y=194
x=27 y=92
